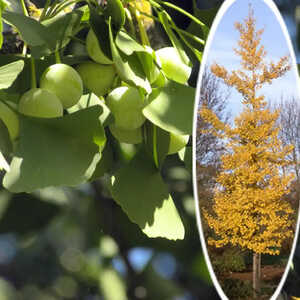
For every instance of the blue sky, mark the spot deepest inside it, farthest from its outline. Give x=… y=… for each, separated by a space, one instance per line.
x=273 y=39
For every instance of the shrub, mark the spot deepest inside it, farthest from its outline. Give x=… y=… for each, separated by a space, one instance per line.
x=236 y=288
x=230 y=260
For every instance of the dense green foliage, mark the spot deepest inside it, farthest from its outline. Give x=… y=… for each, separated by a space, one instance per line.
x=123 y=92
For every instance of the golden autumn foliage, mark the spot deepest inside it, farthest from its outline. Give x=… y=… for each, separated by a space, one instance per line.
x=249 y=209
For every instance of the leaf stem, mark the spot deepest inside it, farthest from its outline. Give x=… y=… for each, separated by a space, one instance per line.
x=194 y=5
x=33 y=75
x=89 y=100
x=24 y=50
x=143 y=33
x=62 y=6
x=155 y=145
x=74 y=38
x=24 y=8
x=179 y=9
x=42 y=16
x=57 y=57
x=194 y=37
x=9 y=105
x=130 y=21
x=192 y=48
x=52 y=7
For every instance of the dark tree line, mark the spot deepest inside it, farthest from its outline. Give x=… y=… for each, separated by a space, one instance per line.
x=215 y=97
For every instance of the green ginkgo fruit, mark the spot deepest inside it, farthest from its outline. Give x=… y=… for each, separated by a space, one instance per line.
x=64 y=82
x=96 y=77
x=40 y=103
x=126 y=105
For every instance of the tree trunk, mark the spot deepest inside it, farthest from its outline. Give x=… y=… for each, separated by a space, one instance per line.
x=256 y=274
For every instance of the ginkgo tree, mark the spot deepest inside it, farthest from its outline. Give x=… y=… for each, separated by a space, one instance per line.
x=248 y=209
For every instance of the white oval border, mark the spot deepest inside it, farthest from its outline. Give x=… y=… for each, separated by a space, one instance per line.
x=221 y=12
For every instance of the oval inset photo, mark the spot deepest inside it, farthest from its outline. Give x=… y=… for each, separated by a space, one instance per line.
x=246 y=152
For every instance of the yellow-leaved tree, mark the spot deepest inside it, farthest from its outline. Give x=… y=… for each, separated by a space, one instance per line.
x=248 y=209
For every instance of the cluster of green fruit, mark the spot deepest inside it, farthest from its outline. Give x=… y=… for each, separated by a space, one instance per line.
x=126 y=103
x=103 y=101
x=61 y=87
